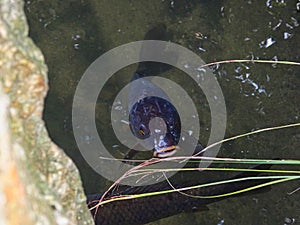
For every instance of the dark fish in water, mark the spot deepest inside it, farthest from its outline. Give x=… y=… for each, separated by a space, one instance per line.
x=147 y=102
x=148 y=109
x=152 y=117
x=147 y=209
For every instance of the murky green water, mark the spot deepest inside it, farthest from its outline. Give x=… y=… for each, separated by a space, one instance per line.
x=72 y=34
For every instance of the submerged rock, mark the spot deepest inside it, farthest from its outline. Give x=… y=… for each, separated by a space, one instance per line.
x=39 y=184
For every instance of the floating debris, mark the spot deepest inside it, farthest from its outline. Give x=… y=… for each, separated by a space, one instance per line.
x=221 y=222
x=277 y=25
x=286 y=35
x=202 y=49
x=288 y=220
x=267 y=43
x=76 y=46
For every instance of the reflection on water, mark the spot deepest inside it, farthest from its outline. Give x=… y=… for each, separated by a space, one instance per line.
x=72 y=34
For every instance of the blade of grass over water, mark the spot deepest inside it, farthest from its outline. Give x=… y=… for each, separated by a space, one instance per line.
x=151 y=171
x=241 y=190
x=214 y=160
x=246 y=161
x=252 y=61
x=249 y=133
x=279 y=179
x=142 y=170
x=220 y=160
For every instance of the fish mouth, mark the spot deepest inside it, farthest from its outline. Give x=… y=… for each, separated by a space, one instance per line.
x=164 y=152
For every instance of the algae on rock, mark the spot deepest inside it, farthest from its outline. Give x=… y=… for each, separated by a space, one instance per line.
x=39 y=184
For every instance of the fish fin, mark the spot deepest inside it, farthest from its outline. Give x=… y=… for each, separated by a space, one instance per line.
x=157 y=32
x=148 y=68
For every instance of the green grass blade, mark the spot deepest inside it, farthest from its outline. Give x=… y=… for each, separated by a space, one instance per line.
x=280 y=179
x=252 y=61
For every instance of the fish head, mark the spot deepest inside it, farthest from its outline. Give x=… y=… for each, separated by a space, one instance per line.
x=156 y=121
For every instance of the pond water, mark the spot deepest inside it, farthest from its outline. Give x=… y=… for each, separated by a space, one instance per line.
x=72 y=34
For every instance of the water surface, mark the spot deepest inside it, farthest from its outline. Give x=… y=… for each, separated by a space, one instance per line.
x=72 y=34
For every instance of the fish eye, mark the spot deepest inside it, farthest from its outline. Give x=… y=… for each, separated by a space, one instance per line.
x=141 y=132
